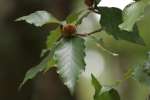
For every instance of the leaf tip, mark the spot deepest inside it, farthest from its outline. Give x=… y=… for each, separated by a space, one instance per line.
x=21 y=84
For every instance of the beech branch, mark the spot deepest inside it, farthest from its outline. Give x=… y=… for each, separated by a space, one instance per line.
x=95 y=10
x=87 y=34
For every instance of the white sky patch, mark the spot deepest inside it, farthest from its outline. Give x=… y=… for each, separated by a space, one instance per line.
x=115 y=3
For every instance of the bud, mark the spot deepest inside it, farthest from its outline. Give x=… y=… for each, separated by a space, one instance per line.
x=89 y=3
x=68 y=30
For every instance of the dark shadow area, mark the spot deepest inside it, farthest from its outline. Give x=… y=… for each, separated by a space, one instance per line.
x=20 y=48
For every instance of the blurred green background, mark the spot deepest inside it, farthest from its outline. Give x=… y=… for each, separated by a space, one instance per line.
x=21 y=45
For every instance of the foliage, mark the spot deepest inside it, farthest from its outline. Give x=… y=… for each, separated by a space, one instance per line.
x=71 y=63
x=111 y=18
x=142 y=72
x=104 y=93
x=39 y=18
x=47 y=63
x=131 y=19
x=67 y=49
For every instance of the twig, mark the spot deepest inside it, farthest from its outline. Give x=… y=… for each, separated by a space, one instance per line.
x=94 y=10
x=87 y=34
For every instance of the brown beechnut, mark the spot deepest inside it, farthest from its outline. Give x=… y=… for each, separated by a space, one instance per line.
x=89 y=3
x=68 y=30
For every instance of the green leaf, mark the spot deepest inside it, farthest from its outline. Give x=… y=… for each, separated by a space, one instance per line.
x=142 y=72
x=111 y=18
x=96 y=85
x=45 y=64
x=133 y=13
x=39 y=18
x=53 y=37
x=51 y=41
x=131 y=36
x=111 y=94
x=140 y=75
x=74 y=16
x=103 y=93
x=43 y=52
x=77 y=18
x=69 y=56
